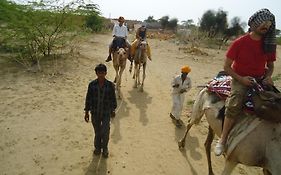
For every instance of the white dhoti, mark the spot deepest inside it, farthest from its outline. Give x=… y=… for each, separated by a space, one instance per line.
x=178 y=101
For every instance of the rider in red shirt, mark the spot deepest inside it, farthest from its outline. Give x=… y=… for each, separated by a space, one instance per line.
x=250 y=56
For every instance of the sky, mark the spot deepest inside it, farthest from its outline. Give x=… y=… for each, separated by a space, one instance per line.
x=181 y=9
x=186 y=9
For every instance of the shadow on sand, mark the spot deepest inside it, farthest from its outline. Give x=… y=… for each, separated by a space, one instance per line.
x=141 y=100
x=191 y=146
x=98 y=166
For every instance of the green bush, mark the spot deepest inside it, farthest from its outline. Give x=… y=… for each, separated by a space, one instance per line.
x=34 y=32
x=94 y=22
x=278 y=40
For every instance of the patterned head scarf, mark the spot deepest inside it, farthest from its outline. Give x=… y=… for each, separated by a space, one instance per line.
x=269 y=42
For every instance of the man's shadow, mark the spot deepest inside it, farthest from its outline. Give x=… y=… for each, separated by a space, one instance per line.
x=97 y=166
x=122 y=111
x=141 y=100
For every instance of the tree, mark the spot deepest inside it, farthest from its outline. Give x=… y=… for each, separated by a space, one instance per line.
x=235 y=29
x=187 y=23
x=213 y=22
x=220 y=21
x=208 y=20
x=164 y=21
x=173 y=23
x=150 y=19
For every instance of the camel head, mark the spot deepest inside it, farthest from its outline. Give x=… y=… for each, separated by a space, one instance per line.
x=121 y=55
x=122 y=52
x=143 y=45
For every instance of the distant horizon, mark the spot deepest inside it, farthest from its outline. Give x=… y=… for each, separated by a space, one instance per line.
x=194 y=11
x=182 y=10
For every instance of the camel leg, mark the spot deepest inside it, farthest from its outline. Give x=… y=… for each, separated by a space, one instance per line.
x=136 y=76
x=207 y=145
x=116 y=74
x=143 y=77
x=120 y=76
x=118 y=84
x=228 y=167
x=131 y=66
x=181 y=143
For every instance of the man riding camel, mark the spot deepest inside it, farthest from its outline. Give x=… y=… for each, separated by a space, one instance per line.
x=249 y=57
x=119 y=31
x=140 y=36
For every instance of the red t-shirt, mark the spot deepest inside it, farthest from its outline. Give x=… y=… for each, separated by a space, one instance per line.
x=248 y=57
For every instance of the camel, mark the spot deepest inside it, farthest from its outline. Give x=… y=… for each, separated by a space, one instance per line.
x=119 y=63
x=261 y=147
x=140 y=60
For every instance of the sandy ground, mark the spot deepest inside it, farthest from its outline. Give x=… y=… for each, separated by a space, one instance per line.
x=43 y=130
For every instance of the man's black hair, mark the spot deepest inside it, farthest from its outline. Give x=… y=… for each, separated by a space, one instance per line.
x=100 y=68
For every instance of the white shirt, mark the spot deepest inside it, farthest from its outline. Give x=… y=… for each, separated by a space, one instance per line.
x=120 y=31
x=186 y=84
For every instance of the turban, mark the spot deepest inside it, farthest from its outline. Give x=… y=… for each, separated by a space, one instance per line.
x=269 y=41
x=185 y=69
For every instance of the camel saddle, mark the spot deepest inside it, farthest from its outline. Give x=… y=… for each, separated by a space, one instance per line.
x=267 y=105
x=264 y=101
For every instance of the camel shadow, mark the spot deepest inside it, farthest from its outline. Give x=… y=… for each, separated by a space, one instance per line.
x=192 y=144
x=193 y=171
x=98 y=166
x=141 y=100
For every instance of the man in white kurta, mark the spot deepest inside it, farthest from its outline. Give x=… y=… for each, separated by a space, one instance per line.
x=181 y=84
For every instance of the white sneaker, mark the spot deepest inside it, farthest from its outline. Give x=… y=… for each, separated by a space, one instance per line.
x=219 y=149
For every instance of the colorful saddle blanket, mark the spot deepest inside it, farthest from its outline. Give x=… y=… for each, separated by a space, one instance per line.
x=220 y=85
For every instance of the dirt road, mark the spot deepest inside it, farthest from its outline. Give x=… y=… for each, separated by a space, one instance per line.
x=43 y=131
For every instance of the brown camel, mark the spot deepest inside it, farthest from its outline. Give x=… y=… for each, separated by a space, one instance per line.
x=119 y=63
x=140 y=60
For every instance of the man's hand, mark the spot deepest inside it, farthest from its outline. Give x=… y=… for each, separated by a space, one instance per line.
x=176 y=85
x=182 y=90
x=247 y=81
x=112 y=114
x=267 y=81
x=86 y=117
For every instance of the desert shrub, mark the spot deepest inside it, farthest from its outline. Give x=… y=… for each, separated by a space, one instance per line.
x=32 y=32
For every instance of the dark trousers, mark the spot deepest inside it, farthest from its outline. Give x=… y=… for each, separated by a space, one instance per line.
x=102 y=129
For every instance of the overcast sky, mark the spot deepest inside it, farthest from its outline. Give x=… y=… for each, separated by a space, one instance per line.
x=186 y=9
x=181 y=9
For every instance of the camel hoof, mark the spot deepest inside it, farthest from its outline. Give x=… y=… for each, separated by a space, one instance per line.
x=181 y=144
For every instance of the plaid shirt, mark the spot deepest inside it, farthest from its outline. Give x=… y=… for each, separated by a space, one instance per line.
x=101 y=101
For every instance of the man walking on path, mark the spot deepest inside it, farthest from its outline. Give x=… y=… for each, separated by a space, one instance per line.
x=101 y=102
x=180 y=84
